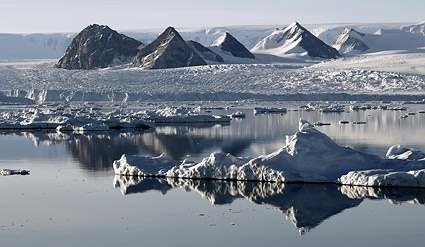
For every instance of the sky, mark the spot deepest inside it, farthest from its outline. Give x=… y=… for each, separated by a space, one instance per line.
x=49 y=16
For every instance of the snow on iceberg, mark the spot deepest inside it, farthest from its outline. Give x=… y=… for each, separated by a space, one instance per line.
x=308 y=156
x=181 y=115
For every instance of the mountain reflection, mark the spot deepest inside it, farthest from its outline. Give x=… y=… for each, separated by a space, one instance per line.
x=96 y=151
x=306 y=205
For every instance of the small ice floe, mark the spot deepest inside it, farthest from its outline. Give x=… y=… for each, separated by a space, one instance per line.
x=358 y=107
x=404 y=116
x=400 y=153
x=237 y=114
x=264 y=110
x=421 y=111
x=181 y=115
x=359 y=122
x=308 y=156
x=332 y=109
x=321 y=123
x=7 y=172
x=343 y=122
x=397 y=108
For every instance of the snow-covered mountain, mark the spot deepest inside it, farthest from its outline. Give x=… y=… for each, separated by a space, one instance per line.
x=227 y=43
x=98 y=46
x=169 y=50
x=392 y=68
x=350 y=41
x=34 y=46
x=295 y=39
x=379 y=37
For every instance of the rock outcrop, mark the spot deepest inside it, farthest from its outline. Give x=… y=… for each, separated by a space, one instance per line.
x=169 y=50
x=98 y=46
x=230 y=44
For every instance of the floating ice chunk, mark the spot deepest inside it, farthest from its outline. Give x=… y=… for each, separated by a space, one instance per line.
x=263 y=110
x=7 y=172
x=400 y=153
x=237 y=114
x=181 y=115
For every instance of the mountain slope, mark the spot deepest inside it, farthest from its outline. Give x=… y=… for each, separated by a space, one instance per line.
x=169 y=50
x=98 y=46
x=350 y=41
x=204 y=52
x=295 y=39
x=230 y=44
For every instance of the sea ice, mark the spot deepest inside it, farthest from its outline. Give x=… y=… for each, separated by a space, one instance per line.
x=7 y=172
x=88 y=119
x=308 y=156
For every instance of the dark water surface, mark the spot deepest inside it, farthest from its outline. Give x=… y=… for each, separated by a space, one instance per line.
x=73 y=198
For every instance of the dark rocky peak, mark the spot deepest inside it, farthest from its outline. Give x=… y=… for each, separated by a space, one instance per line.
x=350 y=41
x=98 y=46
x=313 y=45
x=205 y=53
x=169 y=50
x=230 y=44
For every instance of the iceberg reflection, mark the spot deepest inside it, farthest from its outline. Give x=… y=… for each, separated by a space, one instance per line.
x=306 y=205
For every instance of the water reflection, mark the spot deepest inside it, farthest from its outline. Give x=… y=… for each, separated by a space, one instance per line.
x=306 y=205
x=96 y=151
x=252 y=136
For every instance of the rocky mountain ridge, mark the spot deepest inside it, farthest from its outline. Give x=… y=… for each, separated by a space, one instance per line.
x=98 y=46
x=295 y=39
x=292 y=42
x=169 y=50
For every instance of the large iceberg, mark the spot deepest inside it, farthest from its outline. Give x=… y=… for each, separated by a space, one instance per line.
x=308 y=156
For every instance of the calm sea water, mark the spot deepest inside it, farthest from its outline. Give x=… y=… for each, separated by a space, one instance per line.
x=73 y=198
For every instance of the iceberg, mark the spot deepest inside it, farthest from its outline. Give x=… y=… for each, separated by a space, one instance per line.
x=309 y=156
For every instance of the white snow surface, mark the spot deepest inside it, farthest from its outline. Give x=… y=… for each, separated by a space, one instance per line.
x=85 y=118
x=279 y=44
x=383 y=74
x=308 y=156
x=394 y=64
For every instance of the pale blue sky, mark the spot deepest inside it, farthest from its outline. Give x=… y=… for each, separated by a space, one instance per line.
x=41 y=16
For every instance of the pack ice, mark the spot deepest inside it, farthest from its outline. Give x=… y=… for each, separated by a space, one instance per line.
x=308 y=156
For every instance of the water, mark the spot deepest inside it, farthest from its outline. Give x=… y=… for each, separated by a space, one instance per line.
x=73 y=198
